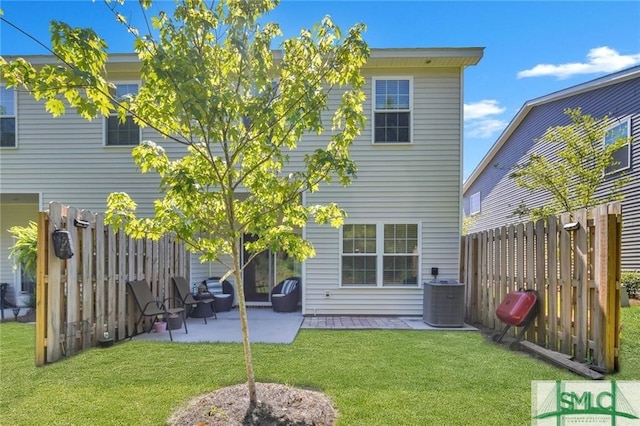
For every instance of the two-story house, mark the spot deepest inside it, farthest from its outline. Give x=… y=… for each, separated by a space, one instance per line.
x=404 y=214
x=491 y=197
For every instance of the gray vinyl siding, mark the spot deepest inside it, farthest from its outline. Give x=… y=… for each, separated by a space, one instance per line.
x=500 y=196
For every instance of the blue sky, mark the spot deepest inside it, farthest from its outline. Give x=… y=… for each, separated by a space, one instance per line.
x=532 y=48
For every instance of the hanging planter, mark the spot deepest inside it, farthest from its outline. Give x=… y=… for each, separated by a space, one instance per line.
x=62 y=244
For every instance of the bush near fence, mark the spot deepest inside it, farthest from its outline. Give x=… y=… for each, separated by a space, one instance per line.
x=575 y=272
x=80 y=298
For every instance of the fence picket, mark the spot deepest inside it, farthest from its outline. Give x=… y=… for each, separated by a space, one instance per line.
x=540 y=282
x=566 y=282
x=87 y=285
x=581 y=283
x=552 y=276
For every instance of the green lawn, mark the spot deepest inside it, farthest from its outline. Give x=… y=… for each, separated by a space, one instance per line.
x=398 y=377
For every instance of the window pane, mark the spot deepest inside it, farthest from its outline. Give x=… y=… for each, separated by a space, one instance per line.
x=403 y=101
x=403 y=87
x=392 y=134
x=618 y=131
x=124 y=90
x=401 y=238
x=403 y=119
x=403 y=134
x=474 y=203
x=118 y=134
x=392 y=127
x=392 y=87
x=392 y=94
x=620 y=156
x=7 y=132
x=359 y=270
x=359 y=239
x=400 y=270
x=7 y=101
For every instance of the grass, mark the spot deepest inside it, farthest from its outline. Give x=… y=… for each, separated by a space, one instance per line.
x=374 y=377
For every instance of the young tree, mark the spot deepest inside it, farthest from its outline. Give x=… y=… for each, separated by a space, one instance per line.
x=212 y=83
x=573 y=177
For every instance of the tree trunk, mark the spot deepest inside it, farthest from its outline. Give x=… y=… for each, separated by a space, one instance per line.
x=242 y=306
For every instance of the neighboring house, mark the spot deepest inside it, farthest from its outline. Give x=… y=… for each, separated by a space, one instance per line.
x=403 y=209
x=490 y=196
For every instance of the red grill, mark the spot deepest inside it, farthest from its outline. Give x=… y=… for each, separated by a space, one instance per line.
x=518 y=309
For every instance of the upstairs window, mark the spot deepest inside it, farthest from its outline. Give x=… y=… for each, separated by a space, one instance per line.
x=622 y=156
x=7 y=117
x=474 y=203
x=125 y=133
x=392 y=110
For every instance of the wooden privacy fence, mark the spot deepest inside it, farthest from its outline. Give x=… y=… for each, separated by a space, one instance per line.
x=575 y=272
x=80 y=298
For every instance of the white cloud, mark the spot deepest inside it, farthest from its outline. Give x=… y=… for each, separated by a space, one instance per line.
x=482 y=109
x=600 y=59
x=478 y=120
x=484 y=128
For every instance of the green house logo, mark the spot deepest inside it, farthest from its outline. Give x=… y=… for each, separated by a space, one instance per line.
x=585 y=402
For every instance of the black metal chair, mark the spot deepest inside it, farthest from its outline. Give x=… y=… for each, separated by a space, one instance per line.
x=187 y=299
x=3 y=294
x=151 y=307
x=286 y=295
x=222 y=292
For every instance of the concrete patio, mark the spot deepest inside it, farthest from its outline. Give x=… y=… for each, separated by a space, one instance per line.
x=267 y=326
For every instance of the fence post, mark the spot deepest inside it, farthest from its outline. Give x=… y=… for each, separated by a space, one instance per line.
x=606 y=266
x=55 y=289
x=42 y=306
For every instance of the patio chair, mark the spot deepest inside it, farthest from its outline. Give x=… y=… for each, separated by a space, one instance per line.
x=186 y=298
x=3 y=294
x=151 y=307
x=285 y=295
x=223 y=293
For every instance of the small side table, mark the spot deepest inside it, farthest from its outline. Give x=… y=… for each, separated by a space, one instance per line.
x=205 y=309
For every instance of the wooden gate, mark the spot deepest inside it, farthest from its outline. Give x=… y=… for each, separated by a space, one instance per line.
x=80 y=298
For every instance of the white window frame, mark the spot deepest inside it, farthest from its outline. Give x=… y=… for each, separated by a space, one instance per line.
x=105 y=122
x=618 y=168
x=374 y=110
x=14 y=116
x=380 y=254
x=475 y=200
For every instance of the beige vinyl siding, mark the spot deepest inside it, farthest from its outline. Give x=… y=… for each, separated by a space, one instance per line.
x=415 y=183
x=82 y=172
x=410 y=183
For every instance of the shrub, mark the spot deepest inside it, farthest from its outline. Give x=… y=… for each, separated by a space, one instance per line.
x=25 y=249
x=631 y=280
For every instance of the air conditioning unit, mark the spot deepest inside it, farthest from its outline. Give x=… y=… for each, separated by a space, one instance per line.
x=443 y=304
